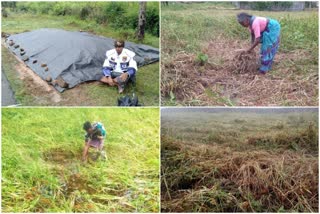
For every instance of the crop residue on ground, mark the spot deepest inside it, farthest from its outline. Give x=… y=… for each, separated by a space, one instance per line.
x=239 y=161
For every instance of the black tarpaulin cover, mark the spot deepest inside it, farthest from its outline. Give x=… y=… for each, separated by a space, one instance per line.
x=76 y=57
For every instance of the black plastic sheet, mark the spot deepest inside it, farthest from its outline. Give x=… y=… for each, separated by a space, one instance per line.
x=76 y=57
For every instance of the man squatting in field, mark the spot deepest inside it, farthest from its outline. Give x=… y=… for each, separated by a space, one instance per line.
x=119 y=66
x=95 y=135
x=265 y=31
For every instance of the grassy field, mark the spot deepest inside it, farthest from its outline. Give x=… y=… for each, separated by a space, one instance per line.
x=239 y=160
x=42 y=169
x=214 y=38
x=92 y=94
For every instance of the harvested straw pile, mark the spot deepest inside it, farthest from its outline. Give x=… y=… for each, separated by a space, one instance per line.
x=179 y=78
x=215 y=178
x=186 y=83
x=245 y=63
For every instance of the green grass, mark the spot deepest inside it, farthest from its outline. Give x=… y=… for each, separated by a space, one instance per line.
x=34 y=179
x=299 y=29
x=197 y=6
x=21 y=22
x=145 y=91
x=147 y=88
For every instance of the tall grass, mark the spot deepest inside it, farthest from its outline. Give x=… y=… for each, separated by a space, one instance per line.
x=42 y=171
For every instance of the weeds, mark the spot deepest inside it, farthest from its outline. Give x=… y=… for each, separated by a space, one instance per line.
x=42 y=171
x=202 y=59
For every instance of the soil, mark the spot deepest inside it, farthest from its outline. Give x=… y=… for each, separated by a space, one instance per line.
x=64 y=166
x=35 y=84
x=78 y=182
x=59 y=156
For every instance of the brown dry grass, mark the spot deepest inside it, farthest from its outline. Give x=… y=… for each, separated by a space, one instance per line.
x=219 y=178
x=245 y=63
x=225 y=81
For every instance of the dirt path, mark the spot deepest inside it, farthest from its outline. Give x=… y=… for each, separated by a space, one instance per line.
x=7 y=97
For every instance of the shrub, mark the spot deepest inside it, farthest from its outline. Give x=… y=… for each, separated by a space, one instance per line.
x=202 y=59
x=84 y=13
x=152 y=17
x=4 y=13
x=269 y=5
x=118 y=15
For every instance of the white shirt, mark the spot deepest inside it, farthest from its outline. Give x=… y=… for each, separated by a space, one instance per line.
x=120 y=62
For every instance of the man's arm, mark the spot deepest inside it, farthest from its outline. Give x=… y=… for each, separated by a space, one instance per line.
x=132 y=68
x=106 y=68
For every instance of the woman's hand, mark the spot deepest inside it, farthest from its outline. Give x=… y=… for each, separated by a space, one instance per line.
x=244 y=51
x=256 y=42
x=241 y=50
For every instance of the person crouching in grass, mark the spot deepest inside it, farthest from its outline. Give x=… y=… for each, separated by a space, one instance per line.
x=95 y=135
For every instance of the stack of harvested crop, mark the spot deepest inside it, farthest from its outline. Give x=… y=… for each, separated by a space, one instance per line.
x=245 y=62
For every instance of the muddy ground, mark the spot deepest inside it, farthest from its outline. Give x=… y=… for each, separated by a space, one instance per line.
x=217 y=83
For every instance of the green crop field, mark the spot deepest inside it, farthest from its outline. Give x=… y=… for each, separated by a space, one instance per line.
x=198 y=45
x=239 y=160
x=42 y=169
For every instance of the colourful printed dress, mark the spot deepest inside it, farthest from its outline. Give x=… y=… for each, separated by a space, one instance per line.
x=270 y=39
